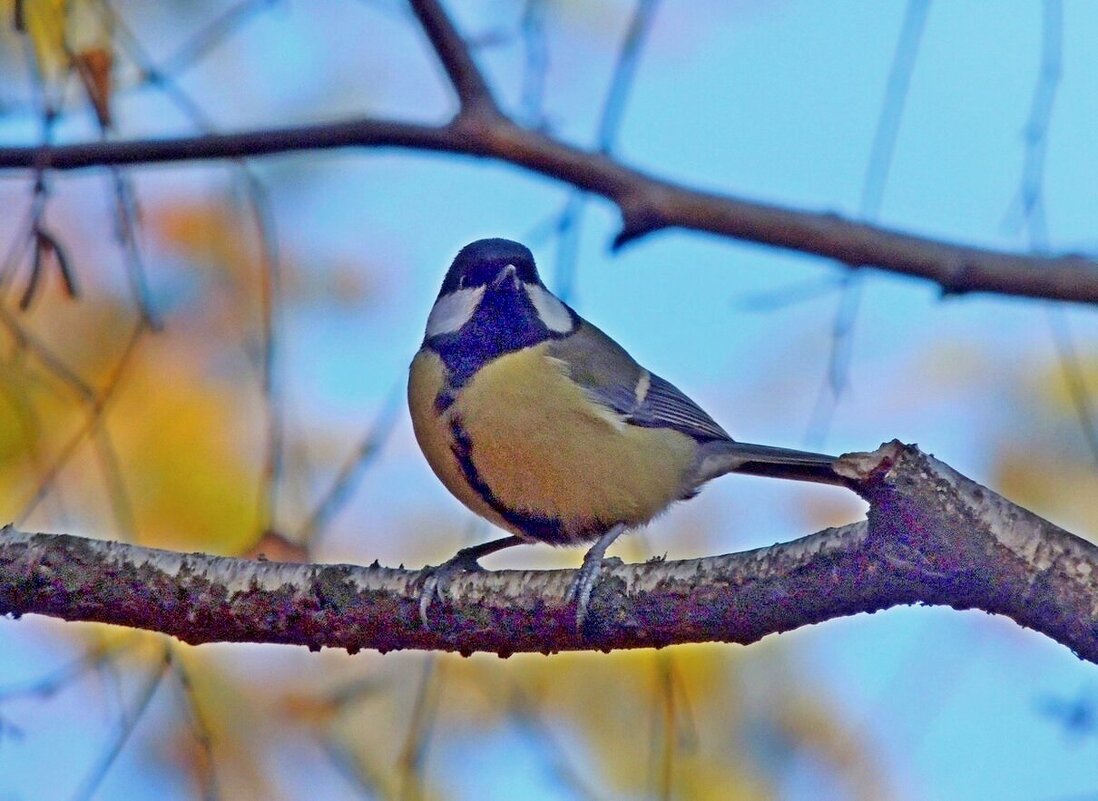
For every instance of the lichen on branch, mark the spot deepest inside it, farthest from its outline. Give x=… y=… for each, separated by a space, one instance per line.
x=932 y=537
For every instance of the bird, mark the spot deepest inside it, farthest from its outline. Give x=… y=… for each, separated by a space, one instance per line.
x=546 y=427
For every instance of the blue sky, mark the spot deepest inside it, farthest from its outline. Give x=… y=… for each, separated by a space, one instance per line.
x=773 y=101
x=779 y=102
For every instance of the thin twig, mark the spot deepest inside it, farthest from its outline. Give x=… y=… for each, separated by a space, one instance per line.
x=526 y=713
x=201 y=43
x=53 y=364
x=98 y=772
x=625 y=70
x=50 y=684
x=97 y=402
x=536 y=62
x=27 y=420
x=662 y=758
x=270 y=305
x=836 y=379
x=785 y=296
x=364 y=778
x=648 y=203
x=94 y=402
x=208 y=779
x=569 y=228
x=414 y=749
x=270 y=273
x=837 y=376
x=127 y=232
x=1032 y=207
x=1074 y=378
x=345 y=481
x=23 y=239
x=888 y=123
x=570 y=223
x=1030 y=196
x=118 y=493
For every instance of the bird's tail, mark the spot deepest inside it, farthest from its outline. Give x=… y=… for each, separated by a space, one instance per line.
x=724 y=456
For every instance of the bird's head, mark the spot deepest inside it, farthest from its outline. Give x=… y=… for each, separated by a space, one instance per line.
x=492 y=288
x=489 y=262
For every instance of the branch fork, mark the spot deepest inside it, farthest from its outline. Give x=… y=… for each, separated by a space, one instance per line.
x=647 y=204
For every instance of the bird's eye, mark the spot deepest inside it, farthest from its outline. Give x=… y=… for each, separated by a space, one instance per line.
x=461 y=282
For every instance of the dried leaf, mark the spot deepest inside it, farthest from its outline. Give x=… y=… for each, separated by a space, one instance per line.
x=94 y=66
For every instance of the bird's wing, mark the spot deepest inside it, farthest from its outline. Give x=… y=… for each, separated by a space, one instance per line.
x=665 y=405
x=611 y=377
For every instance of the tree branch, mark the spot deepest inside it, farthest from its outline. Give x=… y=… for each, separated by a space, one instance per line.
x=472 y=90
x=647 y=203
x=932 y=536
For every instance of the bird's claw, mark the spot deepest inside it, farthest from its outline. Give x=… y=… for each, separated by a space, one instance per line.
x=588 y=574
x=437 y=578
x=583 y=586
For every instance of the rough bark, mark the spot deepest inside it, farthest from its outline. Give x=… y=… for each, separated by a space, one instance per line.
x=932 y=536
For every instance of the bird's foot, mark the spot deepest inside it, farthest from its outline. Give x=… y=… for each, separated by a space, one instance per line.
x=588 y=574
x=467 y=560
x=437 y=578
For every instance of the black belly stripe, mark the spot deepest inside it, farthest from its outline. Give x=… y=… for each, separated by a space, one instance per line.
x=444 y=400
x=543 y=529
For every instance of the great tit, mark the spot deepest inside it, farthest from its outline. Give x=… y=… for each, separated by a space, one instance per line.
x=542 y=424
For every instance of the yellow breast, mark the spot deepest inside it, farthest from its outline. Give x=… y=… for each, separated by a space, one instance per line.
x=542 y=449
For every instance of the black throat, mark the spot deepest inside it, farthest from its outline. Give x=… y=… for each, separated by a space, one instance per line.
x=505 y=321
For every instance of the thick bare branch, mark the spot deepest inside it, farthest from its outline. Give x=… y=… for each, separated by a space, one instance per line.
x=472 y=90
x=647 y=203
x=932 y=537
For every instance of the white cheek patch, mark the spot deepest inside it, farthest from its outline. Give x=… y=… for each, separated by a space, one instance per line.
x=452 y=311
x=552 y=312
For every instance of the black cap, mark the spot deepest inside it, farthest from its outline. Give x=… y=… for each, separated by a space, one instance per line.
x=478 y=263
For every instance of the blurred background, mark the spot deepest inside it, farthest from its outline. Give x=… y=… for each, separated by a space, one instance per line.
x=211 y=356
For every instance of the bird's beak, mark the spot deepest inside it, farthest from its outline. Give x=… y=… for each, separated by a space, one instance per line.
x=508 y=272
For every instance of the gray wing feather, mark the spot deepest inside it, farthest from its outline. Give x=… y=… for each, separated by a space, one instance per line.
x=610 y=376
x=665 y=405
